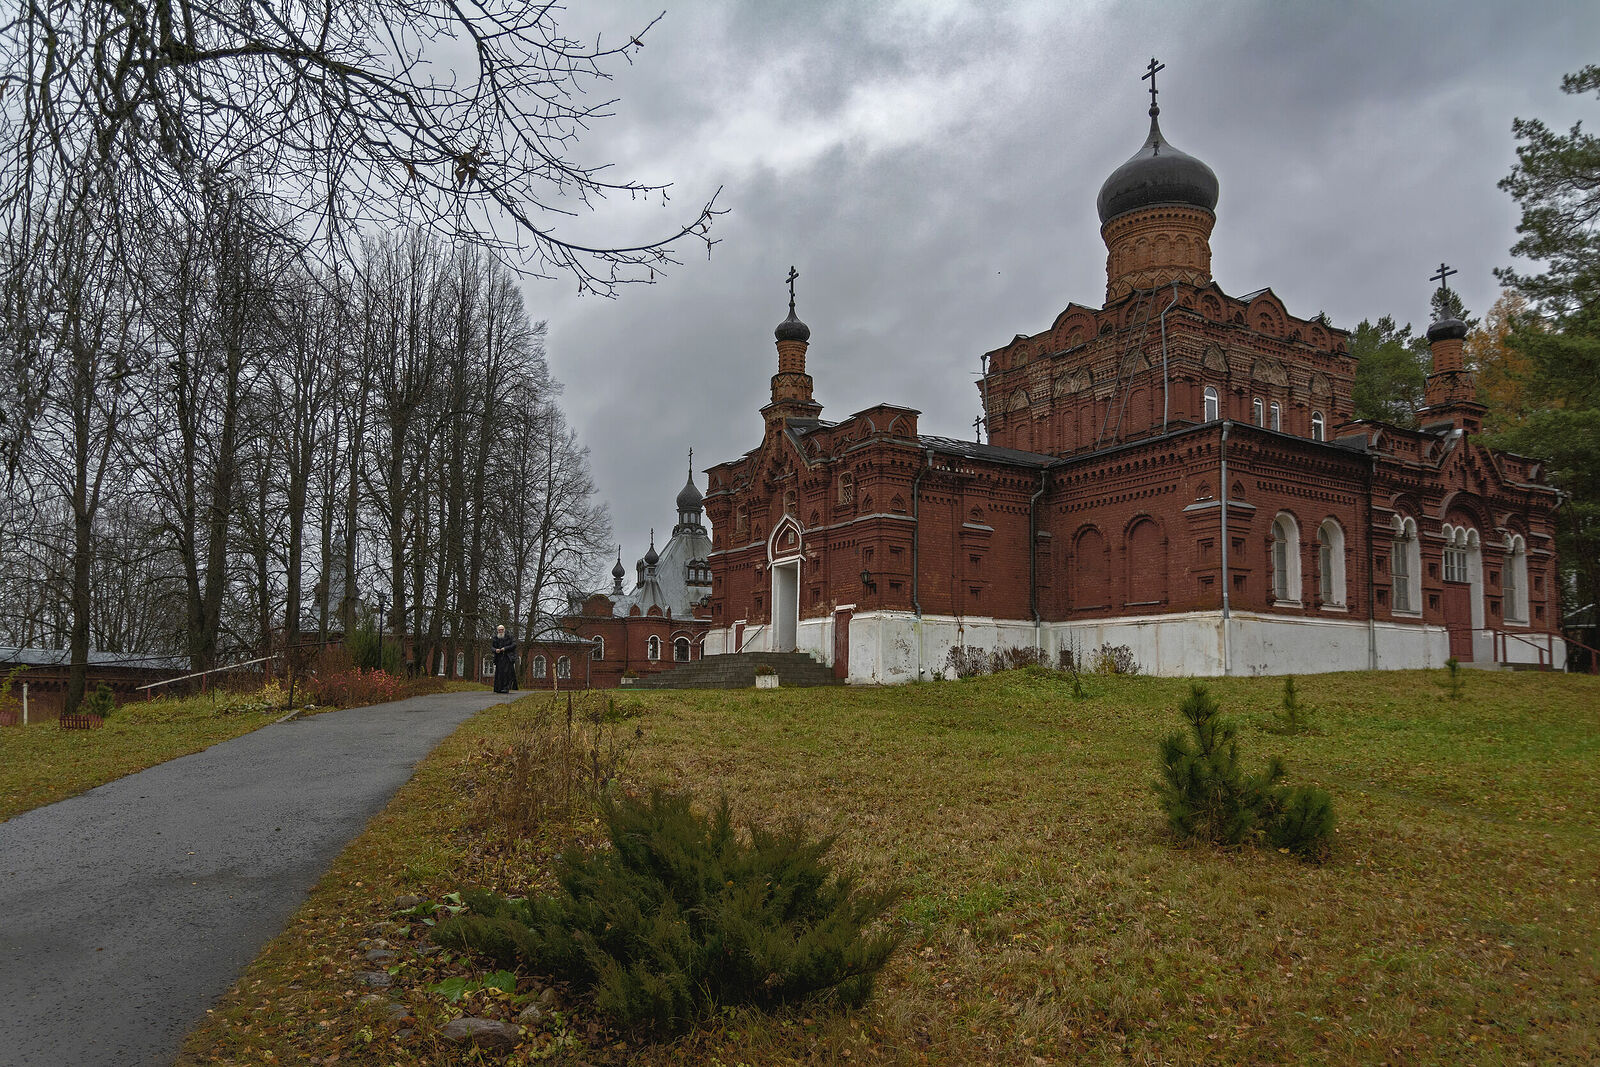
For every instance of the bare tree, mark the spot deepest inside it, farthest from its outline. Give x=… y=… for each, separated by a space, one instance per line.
x=462 y=117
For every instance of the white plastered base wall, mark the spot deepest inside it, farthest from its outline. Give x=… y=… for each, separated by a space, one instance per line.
x=890 y=647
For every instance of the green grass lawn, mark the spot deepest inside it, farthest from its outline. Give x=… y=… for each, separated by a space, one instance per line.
x=42 y=763
x=1048 y=916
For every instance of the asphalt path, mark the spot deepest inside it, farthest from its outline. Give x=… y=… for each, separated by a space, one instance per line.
x=125 y=912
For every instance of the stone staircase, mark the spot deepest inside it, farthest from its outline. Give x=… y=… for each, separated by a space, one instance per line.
x=738 y=671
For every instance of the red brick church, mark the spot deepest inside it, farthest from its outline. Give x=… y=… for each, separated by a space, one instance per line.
x=1176 y=470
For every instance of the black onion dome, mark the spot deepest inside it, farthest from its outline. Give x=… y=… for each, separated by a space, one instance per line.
x=1451 y=329
x=689 y=498
x=650 y=557
x=1157 y=174
x=617 y=571
x=792 y=329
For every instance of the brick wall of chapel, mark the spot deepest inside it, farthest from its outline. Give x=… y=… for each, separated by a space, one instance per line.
x=1057 y=392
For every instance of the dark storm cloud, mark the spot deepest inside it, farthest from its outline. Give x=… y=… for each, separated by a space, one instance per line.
x=931 y=169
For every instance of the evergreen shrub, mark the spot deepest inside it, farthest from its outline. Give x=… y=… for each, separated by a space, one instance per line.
x=683 y=914
x=101 y=702
x=1207 y=796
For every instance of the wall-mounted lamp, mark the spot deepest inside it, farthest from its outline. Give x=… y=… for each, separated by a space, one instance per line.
x=866 y=580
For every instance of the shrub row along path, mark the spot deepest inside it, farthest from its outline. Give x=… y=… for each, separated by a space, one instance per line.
x=125 y=912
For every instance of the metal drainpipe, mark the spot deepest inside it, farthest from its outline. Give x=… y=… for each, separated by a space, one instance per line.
x=1033 y=556
x=1166 y=382
x=1372 y=611
x=916 y=539
x=1227 y=613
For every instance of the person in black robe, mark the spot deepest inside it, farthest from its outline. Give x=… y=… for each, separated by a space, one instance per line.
x=505 y=661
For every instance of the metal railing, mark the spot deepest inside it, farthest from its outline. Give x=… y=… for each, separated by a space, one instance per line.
x=199 y=674
x=750 y=631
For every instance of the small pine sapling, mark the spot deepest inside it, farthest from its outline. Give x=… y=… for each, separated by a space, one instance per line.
x=1203 y=790
x=1206 y=795
x=1453 y=665
x=1295 y=718
x=1301 y=822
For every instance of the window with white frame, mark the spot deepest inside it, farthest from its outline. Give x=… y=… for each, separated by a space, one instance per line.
x=653 y=648
x=1405 y=565
x=680 y=650
x=1330 y=563
x=564 y=667
x=1319 y=428
x=1515 y=570
x=599 y=651
x=1211 y=403
x=1258 y=412
x=461 y=664
x=539 y=668
x=1277 y=416
x=1285 y=558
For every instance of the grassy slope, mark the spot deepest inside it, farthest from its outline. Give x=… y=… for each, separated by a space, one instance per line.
x=42 y=763
x=1047 y=914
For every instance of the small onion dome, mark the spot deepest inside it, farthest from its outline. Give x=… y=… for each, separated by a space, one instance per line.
x=1157 y=174
x=650 y=557
x=792 y=329
x=1450 y=329
x=617 y=571
x=689 y=498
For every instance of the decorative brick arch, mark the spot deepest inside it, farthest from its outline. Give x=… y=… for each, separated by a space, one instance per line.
x=787 y=540
x=1145 y=560
x=1091 y=569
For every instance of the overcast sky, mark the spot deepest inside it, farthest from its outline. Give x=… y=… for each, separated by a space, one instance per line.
x=931 y=170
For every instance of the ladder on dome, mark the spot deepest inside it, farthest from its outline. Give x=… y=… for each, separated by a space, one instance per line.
x=1138 y=330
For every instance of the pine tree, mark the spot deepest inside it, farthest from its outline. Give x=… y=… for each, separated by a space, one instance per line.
x=683 y=914
x=1203 y=790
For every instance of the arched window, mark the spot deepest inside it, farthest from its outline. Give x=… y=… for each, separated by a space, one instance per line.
x=1405 y=566
x=1285 y=558
x=1258 y=412
x=1319 y=429
x=847 y=489
x=1330 y=564
x=538 y=667
x=599 y=647
x=461 y=664
x=1211 y=403
x=653 y=648
x=1516 y=579
x=563 y=667
x=1277 y=416
x=680 y=650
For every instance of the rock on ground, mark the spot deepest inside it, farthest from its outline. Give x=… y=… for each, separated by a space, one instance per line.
x=484 y=1033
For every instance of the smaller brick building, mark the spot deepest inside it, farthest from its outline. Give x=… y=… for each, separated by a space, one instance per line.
x=662 y=621
x=45 y=674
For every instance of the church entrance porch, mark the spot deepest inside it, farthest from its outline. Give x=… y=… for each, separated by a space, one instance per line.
x=785 y=605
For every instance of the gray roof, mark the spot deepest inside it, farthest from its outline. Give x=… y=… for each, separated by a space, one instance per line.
x=990 y=453
x=60 y=657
